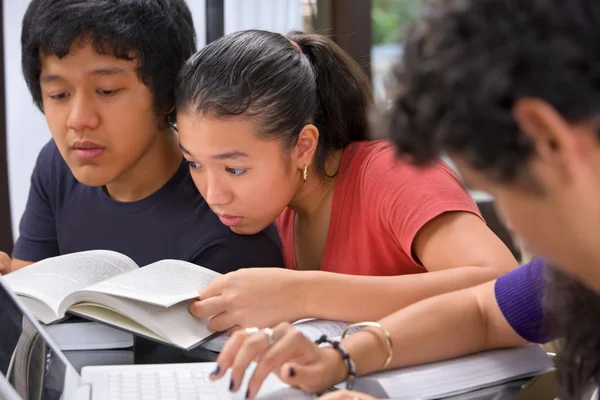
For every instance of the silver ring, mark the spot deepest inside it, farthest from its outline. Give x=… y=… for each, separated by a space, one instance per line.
x=251 y=331
x=270 y=336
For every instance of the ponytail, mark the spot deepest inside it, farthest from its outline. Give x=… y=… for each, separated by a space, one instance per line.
x=343 y=91
x=283 y=82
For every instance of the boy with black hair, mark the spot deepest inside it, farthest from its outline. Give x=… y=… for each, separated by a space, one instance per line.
x=113 y=176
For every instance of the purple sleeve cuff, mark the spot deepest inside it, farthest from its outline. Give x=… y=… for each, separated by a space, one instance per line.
x=519 y=295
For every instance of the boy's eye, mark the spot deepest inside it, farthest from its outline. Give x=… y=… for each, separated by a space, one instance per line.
x=108 y=92
x=194 y=164
x=59 y=96
x=236 y=171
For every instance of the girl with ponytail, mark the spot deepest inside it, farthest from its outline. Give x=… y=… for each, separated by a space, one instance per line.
x=276 y=129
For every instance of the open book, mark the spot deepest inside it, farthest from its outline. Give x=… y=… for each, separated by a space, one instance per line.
x=109 y=287
x=457 y=376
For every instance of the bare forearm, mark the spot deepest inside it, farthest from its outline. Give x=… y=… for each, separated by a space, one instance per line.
x=18 y=264
x=358 y=298
x=8 y=265
x=442 y=327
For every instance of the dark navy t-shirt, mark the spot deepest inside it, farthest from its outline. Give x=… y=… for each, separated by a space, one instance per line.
x=64 y=216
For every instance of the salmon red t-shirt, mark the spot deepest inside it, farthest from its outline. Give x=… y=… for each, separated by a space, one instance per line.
x=379 y=204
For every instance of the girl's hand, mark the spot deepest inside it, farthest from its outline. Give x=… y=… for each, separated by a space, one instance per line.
x=285 y=351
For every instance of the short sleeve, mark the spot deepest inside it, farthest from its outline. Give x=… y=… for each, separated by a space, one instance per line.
x=231 y=252
x=407 y=197
x=519 y=295
x=37 y=230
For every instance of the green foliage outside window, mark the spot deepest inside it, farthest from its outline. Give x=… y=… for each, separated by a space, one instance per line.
x=389 y=16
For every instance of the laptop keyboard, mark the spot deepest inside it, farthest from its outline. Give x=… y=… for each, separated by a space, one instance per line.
x=168 y=384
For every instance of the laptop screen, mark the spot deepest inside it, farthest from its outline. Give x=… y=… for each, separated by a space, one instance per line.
x=30 y=366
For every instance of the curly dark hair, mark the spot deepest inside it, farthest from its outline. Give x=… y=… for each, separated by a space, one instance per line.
x=465 y=64
x=160 y=33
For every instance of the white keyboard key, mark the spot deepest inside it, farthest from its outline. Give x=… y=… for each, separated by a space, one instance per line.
x=178 y=384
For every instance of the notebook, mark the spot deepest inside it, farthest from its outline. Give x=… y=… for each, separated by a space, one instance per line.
x=91 y=343
x=36 y=368
x=457 y=376
x=312 y=328
x=79 y=334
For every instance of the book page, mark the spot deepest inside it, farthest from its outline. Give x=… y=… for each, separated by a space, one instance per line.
x=172 y=324
x=108 y=316
x=163 y=283
x=53 y=279
x=459 y=375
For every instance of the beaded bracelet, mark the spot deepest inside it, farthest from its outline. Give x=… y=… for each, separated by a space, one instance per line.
x=345 y=357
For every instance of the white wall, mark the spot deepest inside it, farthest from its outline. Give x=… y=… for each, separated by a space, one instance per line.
x=271 y=15
x=26 y=127
x=198 y=9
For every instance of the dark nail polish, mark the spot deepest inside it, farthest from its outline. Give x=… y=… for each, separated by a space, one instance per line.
x=248 y=393
x=231 y=385
x=292 y=372
x=217 y=370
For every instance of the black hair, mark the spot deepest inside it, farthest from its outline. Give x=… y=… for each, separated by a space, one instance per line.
x=465 y=65
x=467 y=62
x=263 y=75
x=160 y=33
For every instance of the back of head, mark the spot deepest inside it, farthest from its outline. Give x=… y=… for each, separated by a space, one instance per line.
x=160 y=33
x=283 y=85
x=467 y=62
x=466 y=65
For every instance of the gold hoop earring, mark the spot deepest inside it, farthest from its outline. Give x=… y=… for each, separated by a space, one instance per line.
x=304 y=173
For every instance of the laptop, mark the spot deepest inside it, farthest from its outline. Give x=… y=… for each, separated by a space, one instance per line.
x=33 y=367
x=7 y=392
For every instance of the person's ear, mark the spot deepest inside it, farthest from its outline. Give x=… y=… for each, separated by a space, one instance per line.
x=557 y=144
x=306 y=146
